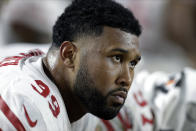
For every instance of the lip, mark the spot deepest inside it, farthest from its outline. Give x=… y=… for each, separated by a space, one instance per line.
x=119 y=96
x=122 y=94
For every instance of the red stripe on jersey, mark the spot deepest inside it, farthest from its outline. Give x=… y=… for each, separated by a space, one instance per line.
x=146 y=120
x=140 y=101
x=125 y=123
x=10 y=115
x=108 y=125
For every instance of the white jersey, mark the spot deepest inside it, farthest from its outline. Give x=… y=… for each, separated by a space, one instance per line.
x=173 y=100
x=135 y=115
x=28 y=99
x=156 y=102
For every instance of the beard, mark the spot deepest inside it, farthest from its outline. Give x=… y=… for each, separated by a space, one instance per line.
x=92 y=98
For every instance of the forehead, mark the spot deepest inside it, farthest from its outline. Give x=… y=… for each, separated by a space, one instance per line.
x=112 y=38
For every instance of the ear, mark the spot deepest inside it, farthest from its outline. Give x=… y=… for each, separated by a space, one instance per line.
x=68 y=53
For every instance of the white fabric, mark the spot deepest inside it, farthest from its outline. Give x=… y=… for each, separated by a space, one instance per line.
x=167 y=101
x=171 y=97
x=16 y=90
x=86 y=123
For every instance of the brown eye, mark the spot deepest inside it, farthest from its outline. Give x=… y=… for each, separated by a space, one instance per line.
x=132 y=64
x=117 y=58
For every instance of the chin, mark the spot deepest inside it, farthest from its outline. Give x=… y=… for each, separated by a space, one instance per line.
x=108 y=113
x=110 y=117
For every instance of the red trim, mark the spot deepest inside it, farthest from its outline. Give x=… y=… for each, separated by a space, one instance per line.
x=10 y=115
x=141 y=101
x=146 y=120
x=125 y=123
x=108 y=125
x=31 y=123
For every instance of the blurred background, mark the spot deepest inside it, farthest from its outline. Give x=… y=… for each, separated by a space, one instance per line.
x=168 y=41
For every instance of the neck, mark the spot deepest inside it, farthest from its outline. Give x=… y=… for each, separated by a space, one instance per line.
x=75 y=109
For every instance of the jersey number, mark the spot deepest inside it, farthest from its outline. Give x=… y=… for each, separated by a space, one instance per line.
x=44 y=91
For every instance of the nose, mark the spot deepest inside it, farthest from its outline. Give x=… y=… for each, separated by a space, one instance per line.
x=125 y=78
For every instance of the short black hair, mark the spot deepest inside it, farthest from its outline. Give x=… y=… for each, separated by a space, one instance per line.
x=87 y=17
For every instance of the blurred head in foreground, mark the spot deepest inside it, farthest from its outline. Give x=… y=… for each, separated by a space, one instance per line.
x=30 y=21
x=181 y=28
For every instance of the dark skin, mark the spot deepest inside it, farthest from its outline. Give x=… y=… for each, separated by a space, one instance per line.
x=110 y=59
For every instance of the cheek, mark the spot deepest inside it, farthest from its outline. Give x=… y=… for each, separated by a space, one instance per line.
x=104 y=74
x=132 y=78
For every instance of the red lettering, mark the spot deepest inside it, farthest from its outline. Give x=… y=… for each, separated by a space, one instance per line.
x=11 y=61
x=35 y=52
x=43 y=88
x=14 y=60
x=108 y=125
x=54 y=107
x=11 y=116
x=44 y=91
x=125 y=123
x=146 y=120
x=139 y=99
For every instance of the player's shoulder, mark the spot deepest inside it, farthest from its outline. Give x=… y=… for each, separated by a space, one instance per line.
x=162 y=77
x=164 y=82
x=12 y=73
x=36 y=100
x=30 y=91
x=15 y=62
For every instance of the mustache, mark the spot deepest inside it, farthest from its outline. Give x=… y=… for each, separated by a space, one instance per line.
x=116 y=90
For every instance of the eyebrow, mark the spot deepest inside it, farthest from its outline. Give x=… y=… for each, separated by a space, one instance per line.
x=137 y=58
x=120 y=50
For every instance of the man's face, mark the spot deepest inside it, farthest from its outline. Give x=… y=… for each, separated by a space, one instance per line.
x=106 y=72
